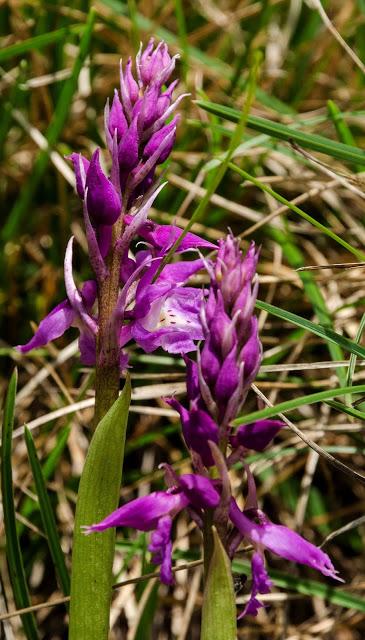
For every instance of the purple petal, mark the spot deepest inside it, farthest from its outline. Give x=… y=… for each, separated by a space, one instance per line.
x=87 y=347
x=251 y=353
x=171 y=322
x=89 y=292
x=283 y=542
x=161 y=549
x=192 y=379
x=156 y=140
x=163 y=236
x=73 y=294
x=128 y=147
x=81 y=166
x=179 y=272
x=117 y=120
x=256 y=435
x=104 y=237
x=199 y=490
x=130 y=83
x=51 y=327
x=228 y=379
x=103 y=202
x=261 y=583
x=198 y=428
x=148 y=111
x=210 y=362
x=143 y=513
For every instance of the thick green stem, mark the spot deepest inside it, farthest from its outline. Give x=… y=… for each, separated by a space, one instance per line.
x=107 y=373
x=92 y=558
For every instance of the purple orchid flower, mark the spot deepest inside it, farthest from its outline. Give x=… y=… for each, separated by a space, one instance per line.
x=155 y=513
x=263 y=534
x=75 y=311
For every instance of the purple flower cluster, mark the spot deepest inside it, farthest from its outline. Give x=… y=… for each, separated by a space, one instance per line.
x=161 y=313
x=154 y=307
x=228 y=359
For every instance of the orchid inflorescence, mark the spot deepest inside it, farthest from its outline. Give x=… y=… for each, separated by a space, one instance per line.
x=156 y=308
x=227 y=361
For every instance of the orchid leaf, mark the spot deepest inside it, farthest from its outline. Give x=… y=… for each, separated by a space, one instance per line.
x=92 y=557
x=219 y=607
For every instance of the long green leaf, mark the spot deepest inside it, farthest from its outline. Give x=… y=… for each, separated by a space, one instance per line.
x=296 y=260
x=48 y=519
x=289 y=405
x=283 y=132
x=29 y=505
x=13 y=551
x=92 y=558
x=219 y=608
x=38 y=42
x=303 y=214
x=24 y=202
x=323 y=332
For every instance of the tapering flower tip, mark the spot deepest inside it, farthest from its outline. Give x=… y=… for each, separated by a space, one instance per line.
x=192 y=379
x=51 y=327
x=161 y=548
x=81 y=166
x=158 y=138
x=165 y=98
x=198 y=429
x=103 y=201
x=74 y=295
x=61 y=318
x=251 y=352
x=142 y=513
x=117 y=120
x=281 y=541
x=200 y=490
x=163 y=236
x=153 y=63
x=130 y=83
x=256 y=435
x=234 y=271
x=261 y=583
x=147 y=108
x=128 y=147
x=228 y=379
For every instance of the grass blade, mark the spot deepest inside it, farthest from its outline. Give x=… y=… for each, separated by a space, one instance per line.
x=328 y=232
x=48 y=519
x=38 y=42
x=323 y=332
x=13 y=551
x=283 y=132
x=308 y=587
x=289 y=405
x=48 y=468
x=296 y=260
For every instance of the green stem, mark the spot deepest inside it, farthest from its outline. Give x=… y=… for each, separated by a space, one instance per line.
x=107 y=374
x=92 y=558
